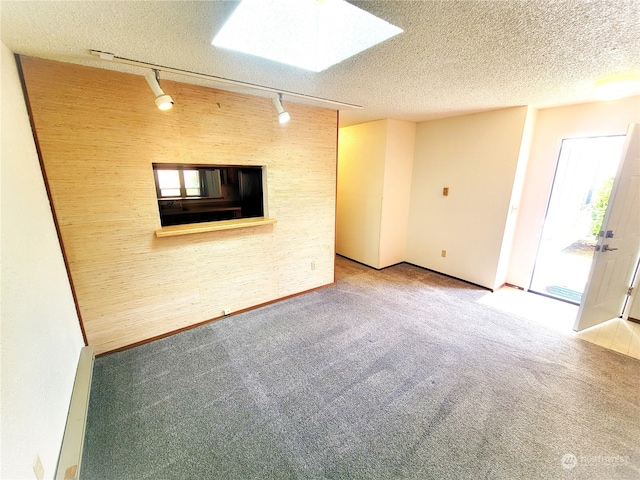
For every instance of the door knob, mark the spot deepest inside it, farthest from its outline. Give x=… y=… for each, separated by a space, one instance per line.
x=606 y=248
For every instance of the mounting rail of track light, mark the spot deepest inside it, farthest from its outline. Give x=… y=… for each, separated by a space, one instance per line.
x=127 y=61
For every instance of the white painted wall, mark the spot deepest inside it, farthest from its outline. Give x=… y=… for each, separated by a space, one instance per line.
x=476 y=157
x=516 y=197
x=396 y=192
x=40 y=333
x=552 y=126
x=635 y=308
x=361 y=157
x=375 y=160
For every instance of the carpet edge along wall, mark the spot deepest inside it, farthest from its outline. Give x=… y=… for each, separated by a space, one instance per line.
x=99 y=132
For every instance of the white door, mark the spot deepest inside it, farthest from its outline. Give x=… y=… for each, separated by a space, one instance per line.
x=618 y=247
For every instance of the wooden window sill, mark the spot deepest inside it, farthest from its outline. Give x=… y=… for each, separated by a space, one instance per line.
x=190 y=228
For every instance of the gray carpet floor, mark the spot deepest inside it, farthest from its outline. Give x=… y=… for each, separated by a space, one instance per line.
x=398 y=373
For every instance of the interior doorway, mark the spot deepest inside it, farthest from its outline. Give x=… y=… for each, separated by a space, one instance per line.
x=584 y=175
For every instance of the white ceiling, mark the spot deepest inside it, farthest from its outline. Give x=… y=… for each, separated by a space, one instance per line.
x=454 y=57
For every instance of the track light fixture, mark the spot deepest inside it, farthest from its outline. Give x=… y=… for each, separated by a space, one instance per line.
x=163 y=101
x=203 y=76
x=283 y=116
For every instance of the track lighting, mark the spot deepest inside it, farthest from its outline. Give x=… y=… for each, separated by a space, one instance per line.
x=163 y=101
x=283 y=116
x=212 y=78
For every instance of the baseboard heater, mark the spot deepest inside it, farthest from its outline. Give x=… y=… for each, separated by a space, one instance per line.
x=73 y=440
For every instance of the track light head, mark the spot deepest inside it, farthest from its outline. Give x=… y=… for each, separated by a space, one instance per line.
x=283 y=116
x=163 y=101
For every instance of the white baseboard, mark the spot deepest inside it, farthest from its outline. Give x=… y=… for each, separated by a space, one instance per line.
x=73 y=440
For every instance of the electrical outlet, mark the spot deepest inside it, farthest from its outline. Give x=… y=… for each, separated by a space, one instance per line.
x=313 y=265
x=38 y=469
x=227 y=311
x=444 y=253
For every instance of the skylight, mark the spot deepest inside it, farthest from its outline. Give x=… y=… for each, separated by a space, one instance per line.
x=309 y=34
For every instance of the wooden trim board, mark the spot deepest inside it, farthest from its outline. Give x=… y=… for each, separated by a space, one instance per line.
x=70 y=459
x=187 y=229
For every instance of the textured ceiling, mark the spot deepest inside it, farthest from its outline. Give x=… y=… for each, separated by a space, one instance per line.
x=454 y=57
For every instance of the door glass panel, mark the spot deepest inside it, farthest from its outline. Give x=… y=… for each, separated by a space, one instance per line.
x=584 y=176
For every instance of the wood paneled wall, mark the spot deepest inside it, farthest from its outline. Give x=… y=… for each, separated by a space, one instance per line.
x=99 y=132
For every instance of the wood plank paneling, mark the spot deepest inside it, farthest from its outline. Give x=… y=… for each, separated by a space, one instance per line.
x=99 y=133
